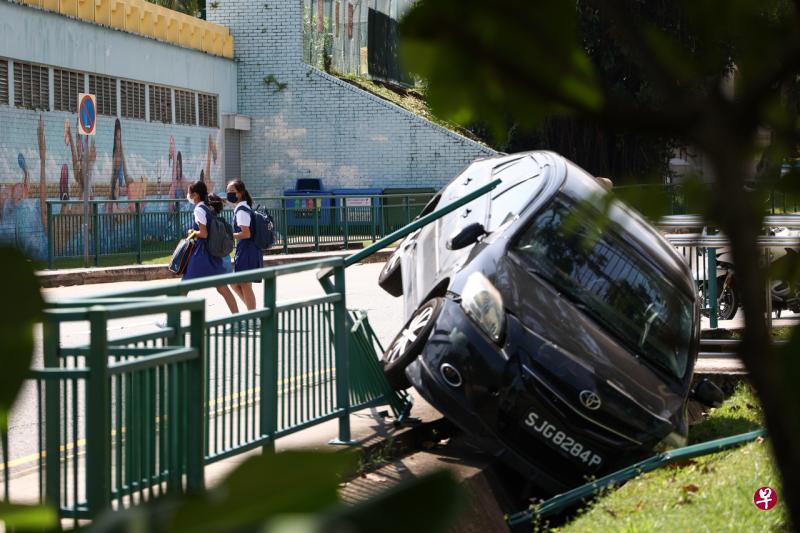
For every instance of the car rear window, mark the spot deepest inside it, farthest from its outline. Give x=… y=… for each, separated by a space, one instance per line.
x=577 y=250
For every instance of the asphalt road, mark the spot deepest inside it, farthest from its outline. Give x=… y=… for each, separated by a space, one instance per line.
x=385 y=314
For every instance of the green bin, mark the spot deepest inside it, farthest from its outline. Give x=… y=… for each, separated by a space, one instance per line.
x=401 y=205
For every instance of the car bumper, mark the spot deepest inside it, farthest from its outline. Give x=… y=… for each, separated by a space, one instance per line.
x=480 y=406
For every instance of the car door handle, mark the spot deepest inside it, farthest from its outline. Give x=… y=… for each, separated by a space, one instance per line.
x=466 y=181
x=466 y=213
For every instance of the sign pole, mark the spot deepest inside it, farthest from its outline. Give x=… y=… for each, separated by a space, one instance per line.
x=87 y=115
x=84 y=166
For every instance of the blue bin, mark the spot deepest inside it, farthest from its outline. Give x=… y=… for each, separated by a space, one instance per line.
x=301 y=205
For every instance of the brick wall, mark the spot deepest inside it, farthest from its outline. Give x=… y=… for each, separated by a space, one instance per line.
x=306 y=123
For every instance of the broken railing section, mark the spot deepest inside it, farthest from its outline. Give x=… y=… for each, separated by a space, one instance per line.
x=563 y=501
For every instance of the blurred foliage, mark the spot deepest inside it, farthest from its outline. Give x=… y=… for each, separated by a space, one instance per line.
x=295 y=492
x=23 y=307
x=720 y=76
x=573 y=77
x=16 y=517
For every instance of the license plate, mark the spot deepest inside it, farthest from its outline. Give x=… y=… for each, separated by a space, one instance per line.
x=561 y=440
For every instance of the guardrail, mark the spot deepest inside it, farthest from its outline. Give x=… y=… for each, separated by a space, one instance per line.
x=152 y=228
x=699 y=244
x=123 y=420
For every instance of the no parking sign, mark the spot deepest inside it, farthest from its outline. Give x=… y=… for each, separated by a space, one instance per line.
x=86 y=113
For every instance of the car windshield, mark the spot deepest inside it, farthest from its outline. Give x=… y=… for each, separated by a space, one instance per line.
x=582 y=254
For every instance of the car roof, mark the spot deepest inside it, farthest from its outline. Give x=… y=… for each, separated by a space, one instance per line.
x=650 y=243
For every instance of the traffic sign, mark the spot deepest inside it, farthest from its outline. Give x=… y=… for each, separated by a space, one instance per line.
x=87 y=113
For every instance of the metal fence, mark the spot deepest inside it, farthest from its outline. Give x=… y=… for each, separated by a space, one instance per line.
x=119 y=421
x=700 y=245
x=152 y=228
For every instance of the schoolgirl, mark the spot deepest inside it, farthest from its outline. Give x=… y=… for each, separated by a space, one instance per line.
x=248 y=255
x=202 y=263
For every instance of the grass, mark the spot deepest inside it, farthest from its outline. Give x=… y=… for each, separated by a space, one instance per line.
x=411 y=100
x=711 y=493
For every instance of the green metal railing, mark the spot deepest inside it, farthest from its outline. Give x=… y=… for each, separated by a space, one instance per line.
x=564 y=501
x=124 y=420
x=152 y=228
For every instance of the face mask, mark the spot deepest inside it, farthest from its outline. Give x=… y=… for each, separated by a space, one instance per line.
x=189 y=199
x=232 y=197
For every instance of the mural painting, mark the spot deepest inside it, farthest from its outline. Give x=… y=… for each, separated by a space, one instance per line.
x=123 y=163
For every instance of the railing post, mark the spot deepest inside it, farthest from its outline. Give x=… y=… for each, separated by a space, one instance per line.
x=345 y=223
x=173 y=410
x=408 y=210
x=340 y=336
x=196 y=404
x=177 y=220
x=96 y=232
x=269 y=366
x=316 y=209
x=138 y=233
x=52 y=413
x=285 y=226
x=50 y=235
x=98 y=415
x=713 y=297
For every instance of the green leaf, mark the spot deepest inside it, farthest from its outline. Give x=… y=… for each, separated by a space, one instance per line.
x=27 y=517
x=263 y=487
x=16 y=323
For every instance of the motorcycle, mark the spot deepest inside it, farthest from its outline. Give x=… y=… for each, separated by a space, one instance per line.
x=784 y=295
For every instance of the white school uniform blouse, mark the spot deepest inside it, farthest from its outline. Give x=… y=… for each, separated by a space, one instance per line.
x=242 y=216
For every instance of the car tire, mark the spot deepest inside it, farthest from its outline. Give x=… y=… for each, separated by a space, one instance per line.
x=391 y=277
x=408 y=344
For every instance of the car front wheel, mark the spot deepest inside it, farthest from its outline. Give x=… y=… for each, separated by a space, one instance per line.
x=408 y=344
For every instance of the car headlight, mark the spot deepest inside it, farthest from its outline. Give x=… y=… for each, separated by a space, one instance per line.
x=482 y=302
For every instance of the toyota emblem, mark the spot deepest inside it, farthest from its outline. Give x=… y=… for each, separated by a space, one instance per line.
x=590 y=400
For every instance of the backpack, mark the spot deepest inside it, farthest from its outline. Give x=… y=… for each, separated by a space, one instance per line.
x=261 y=228
x=220 y=234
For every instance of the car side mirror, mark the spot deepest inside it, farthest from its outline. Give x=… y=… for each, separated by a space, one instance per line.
x=706 y=392
x=469 y=234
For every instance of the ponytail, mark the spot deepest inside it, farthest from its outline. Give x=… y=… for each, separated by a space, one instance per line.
x=215 y=202
x=240 y=188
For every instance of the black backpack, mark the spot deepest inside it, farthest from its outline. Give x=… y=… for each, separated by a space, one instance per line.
x=262 y=227
x=220 y=234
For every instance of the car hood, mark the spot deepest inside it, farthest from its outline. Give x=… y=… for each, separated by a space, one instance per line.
x=573 y=354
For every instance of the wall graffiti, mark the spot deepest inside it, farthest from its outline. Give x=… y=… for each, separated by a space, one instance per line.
x=126 y=160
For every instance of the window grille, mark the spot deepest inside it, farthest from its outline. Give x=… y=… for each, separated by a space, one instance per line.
x=67 y=84
x=160 y=104
x=3 y=82
x=185 y=112
x=105 y=89
x=132 y=97
x=31 y=86
x=208 y=110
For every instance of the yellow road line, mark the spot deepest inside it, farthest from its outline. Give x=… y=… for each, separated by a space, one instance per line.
x=220 y=399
